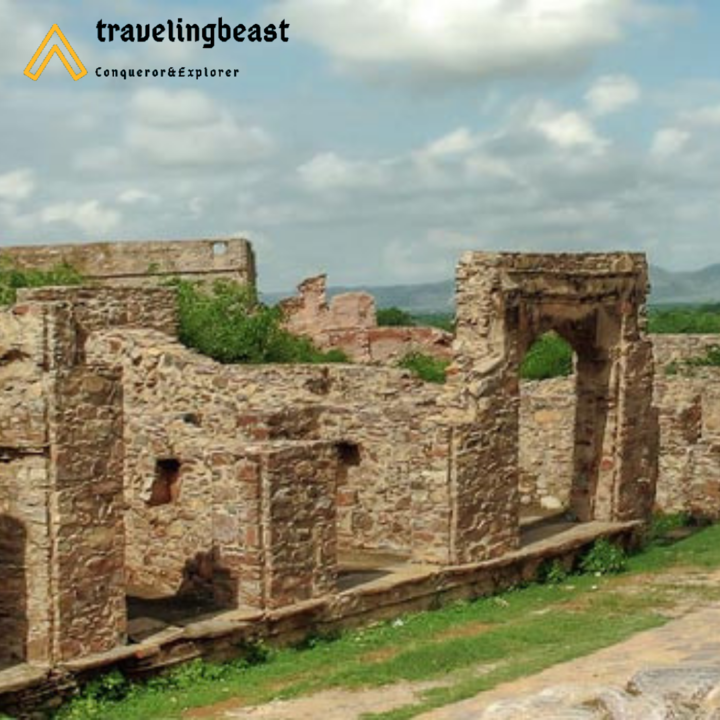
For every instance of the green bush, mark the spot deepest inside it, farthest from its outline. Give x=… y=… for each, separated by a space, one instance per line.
x=227 y=323
x=13 y=279
x=604 y=558
x=394 y=317
x=426 y=367
x=549 y=357
x=664 y=524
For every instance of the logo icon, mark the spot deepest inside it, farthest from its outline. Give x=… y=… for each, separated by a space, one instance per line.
x=55 y=51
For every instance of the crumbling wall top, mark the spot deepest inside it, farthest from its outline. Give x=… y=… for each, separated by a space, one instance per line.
x=131 y=263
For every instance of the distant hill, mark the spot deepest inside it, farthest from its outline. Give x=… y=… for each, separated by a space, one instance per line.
x=700 y=286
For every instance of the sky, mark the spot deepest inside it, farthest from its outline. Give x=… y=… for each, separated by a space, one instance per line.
x=381 y=141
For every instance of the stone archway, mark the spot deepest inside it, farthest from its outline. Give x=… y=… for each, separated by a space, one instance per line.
x=597 y=303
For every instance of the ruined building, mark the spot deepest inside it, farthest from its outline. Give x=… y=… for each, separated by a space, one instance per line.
x=157 y=506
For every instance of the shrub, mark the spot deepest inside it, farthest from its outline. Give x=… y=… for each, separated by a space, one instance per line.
x=227 y=323
x=604 y=558
x=13 y=278
x=552 y=573
x=549 y=357
x=394 y=317
x=426 y=367
x=663 y=525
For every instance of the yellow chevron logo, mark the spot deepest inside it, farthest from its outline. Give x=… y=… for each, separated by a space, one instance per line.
x=55 y=51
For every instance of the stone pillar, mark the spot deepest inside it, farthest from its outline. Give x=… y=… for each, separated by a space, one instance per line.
x=299 y=521
x=86 y=512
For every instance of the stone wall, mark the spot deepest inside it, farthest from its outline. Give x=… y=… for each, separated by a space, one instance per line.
x=180 y=407
x=676 y=348
x=349 y=323
x=60 y=492
x=136 y=263
x=547 y=439
x=688 y=401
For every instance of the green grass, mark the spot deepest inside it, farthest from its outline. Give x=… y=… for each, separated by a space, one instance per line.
x=514 y=634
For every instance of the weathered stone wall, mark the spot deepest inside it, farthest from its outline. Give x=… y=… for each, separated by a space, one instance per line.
x=25 y=489
x=676 y=348
x=136 y=263
x=299 y=484
x=349 y=323
x=98 y=308
x=392 y=491
x=88 y=560
x=25 y=610
x=546 y=443
x=60 y=491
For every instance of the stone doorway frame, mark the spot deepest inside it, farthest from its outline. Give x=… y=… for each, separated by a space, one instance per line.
x=596 y=302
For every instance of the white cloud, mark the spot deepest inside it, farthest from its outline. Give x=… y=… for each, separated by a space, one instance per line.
x=188 y=127
x=669 y=141
x=17 y=185
x=567 y=129
x=90 y=216
x=709 y=116
x=457 y=39
x=329 y=172
x=458 y=142
x=165 y=108
x=612 y=93
x=99 y=159
x=133 y=196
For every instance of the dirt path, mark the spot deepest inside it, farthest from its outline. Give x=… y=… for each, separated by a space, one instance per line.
x=691 y=640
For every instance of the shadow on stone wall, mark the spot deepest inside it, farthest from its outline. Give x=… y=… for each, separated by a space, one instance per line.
x=13 y=592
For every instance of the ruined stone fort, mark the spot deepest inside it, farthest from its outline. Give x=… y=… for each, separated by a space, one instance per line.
x=156 y=506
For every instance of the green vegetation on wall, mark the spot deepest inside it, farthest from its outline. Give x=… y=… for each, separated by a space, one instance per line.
x=426 y=367
x=227 y=323
x=13 y=279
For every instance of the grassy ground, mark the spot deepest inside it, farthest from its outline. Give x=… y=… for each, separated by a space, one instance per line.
x=468 y=647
